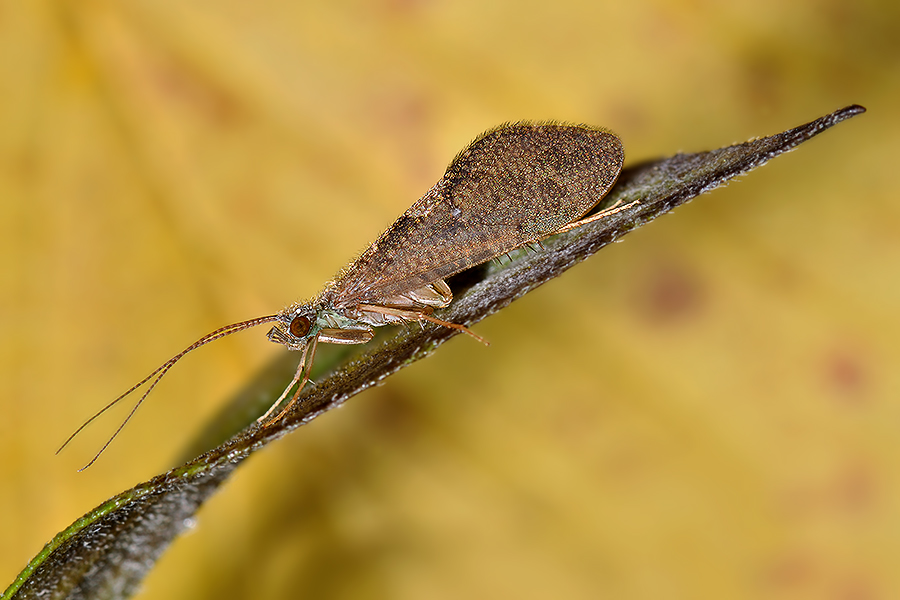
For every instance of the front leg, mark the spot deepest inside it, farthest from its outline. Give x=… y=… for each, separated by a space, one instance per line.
x=329 y=336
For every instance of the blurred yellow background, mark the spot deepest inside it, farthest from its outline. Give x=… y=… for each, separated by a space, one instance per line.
x=709 y=410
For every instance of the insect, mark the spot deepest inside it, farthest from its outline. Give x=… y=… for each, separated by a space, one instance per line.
x=513 y=185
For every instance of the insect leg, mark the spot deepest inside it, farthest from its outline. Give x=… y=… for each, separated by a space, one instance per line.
x=596 y=217
x=301 y=374
x=411 y=314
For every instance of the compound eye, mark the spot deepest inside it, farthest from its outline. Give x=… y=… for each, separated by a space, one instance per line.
x=299 y=327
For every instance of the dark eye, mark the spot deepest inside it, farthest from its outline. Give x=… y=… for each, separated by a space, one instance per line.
x=299 y=327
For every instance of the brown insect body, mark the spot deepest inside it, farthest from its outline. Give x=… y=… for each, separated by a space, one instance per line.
x=513 y=185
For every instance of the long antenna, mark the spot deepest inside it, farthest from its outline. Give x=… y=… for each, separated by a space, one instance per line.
x=157 y=375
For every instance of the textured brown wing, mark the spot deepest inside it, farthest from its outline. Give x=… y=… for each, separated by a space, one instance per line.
x=511 y=186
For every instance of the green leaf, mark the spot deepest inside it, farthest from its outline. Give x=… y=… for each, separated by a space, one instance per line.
x=107 y=552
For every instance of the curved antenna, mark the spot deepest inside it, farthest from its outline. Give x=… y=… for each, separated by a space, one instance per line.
x=157 y=375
